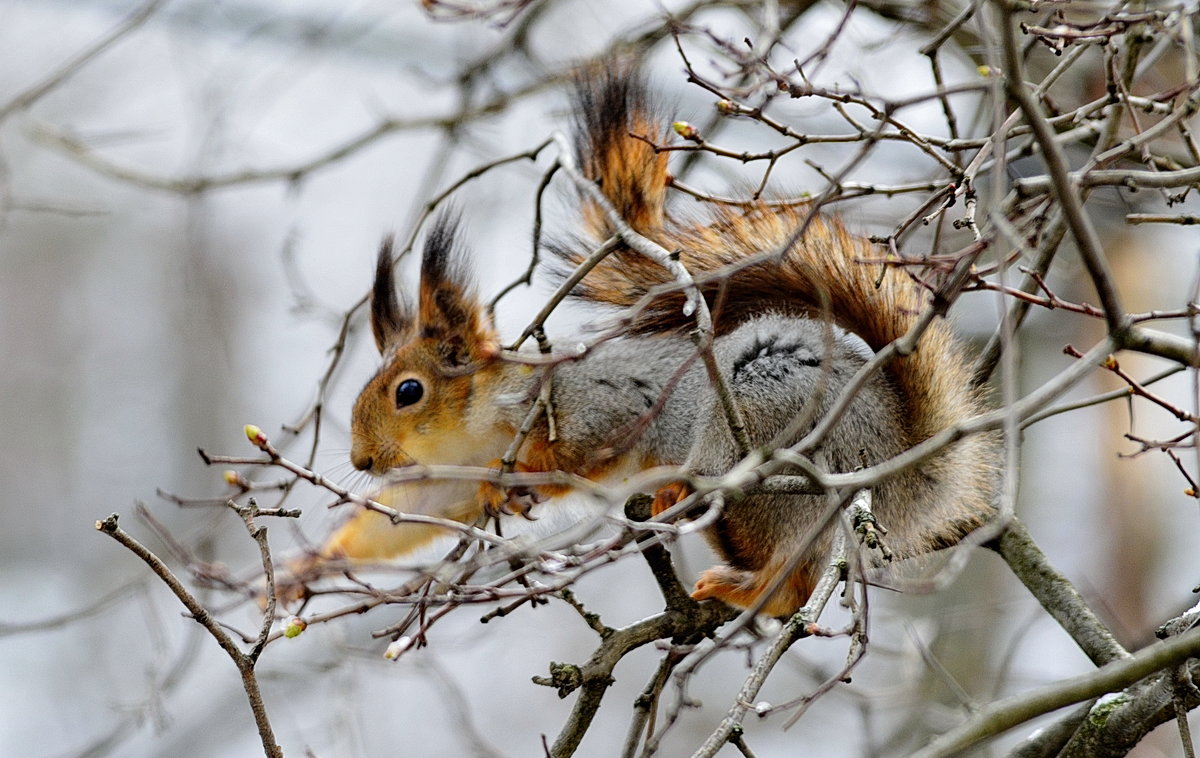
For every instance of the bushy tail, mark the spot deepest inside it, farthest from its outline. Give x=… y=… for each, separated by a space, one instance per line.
x=616 y=128
x=736 y=252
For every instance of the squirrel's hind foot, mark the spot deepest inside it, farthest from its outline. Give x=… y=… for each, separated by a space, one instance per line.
x=742 y=589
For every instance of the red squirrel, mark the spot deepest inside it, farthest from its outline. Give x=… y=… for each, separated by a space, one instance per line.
x=446 y=395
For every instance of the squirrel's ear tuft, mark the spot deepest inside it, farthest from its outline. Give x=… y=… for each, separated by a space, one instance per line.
x=449 y=311
x=390 y=314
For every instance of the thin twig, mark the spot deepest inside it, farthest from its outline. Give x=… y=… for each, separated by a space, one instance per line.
x=244 y=661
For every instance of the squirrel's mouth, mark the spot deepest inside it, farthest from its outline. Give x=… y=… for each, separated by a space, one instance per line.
x=394 y=466
x=379 y=460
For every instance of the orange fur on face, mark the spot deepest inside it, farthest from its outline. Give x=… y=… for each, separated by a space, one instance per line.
x=448 y=347
x=434 y=430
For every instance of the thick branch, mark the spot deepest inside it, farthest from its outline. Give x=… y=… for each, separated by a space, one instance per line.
x=1117 y=723
x=1056 y=594
x=595 y=676
x=1002 y=715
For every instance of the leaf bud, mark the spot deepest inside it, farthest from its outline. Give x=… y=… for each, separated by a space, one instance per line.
x=255 y=435
x=294 y=627
x=398 y=648
x=686 y=130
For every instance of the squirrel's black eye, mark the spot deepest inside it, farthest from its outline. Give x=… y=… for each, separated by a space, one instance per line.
x=408 y=392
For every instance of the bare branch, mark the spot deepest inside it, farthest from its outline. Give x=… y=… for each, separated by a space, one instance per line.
x=243 y=661
x=37 y=91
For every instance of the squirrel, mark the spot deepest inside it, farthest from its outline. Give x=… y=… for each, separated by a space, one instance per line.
x=446 y=395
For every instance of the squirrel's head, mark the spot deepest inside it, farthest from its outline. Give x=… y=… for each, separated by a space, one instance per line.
x=434 y=359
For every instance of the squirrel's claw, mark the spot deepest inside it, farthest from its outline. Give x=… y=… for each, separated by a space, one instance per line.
x=518 y=500
x=522 y=499
x=508 y=501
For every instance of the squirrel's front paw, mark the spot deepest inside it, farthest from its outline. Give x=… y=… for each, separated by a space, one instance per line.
x=508 y=501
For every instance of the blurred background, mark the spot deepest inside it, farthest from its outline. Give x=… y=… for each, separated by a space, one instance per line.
x=181 y=233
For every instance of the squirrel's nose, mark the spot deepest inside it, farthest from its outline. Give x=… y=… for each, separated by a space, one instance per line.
x=361 y=461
